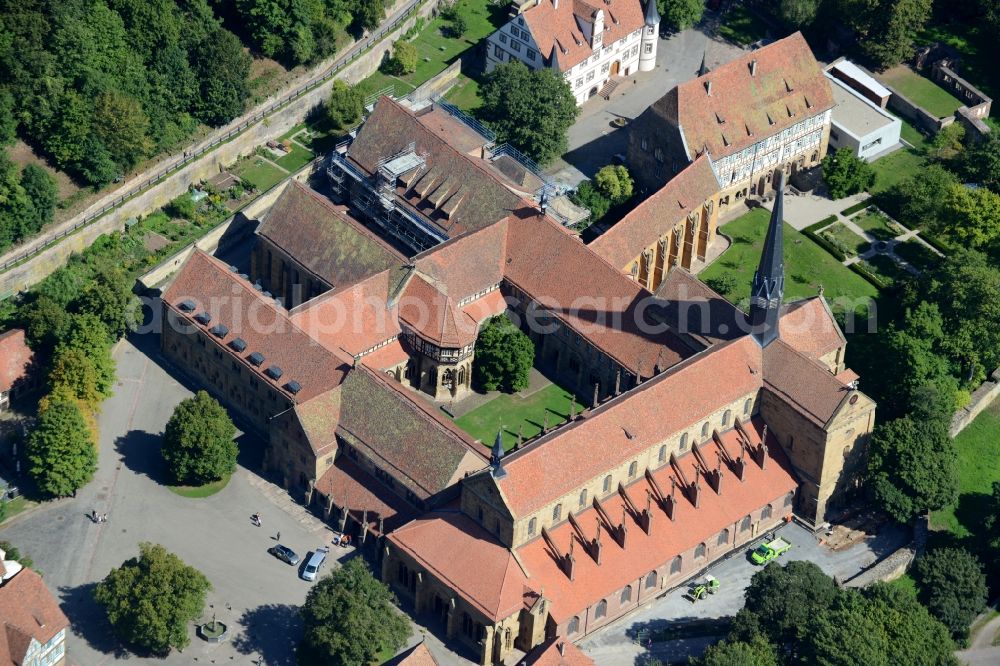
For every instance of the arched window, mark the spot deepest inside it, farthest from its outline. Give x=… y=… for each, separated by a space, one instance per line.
x=699 y=551
x=727 y=416
x=607 y=483
x=650 y=580
x=684 y=441
x=632 y=469
x=557 y=512
x=765 y=513
x=788 y=499
x=626 y=594
x=601 y=610
x=662 y=457
x=583 y=498
x=747 y=406
x=532 y=526
x=745 y=524
x=675 y=566
x=723 y=537
x=574 y=626
x=704 y=429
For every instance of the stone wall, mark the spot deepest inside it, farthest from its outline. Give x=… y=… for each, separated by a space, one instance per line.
x=915 y=114
x=977 y=102
x=896 y=563
x=439 y=84
x=263 y=129
x=982 y=398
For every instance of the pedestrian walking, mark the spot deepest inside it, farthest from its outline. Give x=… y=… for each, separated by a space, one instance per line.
x=104 y=518
x=278 y=538
x=93 y=515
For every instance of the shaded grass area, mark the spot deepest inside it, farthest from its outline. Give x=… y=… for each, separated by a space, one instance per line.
x=906 y=584
x=259 y=172
x=895 y=168
x=807 y=265
x=917 y=254
x=742 y=27
x=206 y=490
x=913 y=136
x=978 y=448
x=843 y=236
x=465 y=94
x=877 y=224
x=886 y=268
x=16 y=506
x=922 y=91
x=976 y=43
x=295 y=160
x=516 y=413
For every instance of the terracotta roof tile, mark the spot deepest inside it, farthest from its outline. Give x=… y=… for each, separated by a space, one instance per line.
x=484 y=307
x=360 y=492
x=15 y=357
x=434 y=316
x=634 y=422
x=809 y=326
x=319 y=417
x=657 y=214
x=418 y=655
x=557 y=651
x=787 y=79
x=551 y=25
x=693 y=308
x=495 y=586
x=645 y=552
x=388 y=356
x=803 y=382
x=264 y=327
x=466 y=265
x=27 y=610
x=324 y=238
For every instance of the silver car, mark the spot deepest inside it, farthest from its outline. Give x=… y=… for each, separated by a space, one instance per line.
x=311 y=568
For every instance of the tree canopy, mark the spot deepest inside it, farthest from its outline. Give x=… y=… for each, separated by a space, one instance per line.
x=846 y=174
x=504 y=355
x=27 y=200
x=349 y=617
x=614 y=182
x=404 y=58
x=345 y=105
x=150 y=600
x=61 y=455
x=198 y=444
x=531 y=109
x=798 y=13
x=755 y=652
x=953 y=587
x=886 y=27
x=680 y=14
x=805 y=590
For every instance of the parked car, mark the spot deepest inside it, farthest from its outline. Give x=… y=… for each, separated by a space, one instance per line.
x=311 y=570
x=284 y=553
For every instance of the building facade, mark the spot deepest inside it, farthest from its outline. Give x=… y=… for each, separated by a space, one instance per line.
x=34 y=627
x=591 y=43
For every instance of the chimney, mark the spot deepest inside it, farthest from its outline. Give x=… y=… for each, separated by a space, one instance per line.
x=753 y=68
x=708 y=88
x=696 y=491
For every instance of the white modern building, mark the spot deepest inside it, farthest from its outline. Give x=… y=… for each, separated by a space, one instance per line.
x=860 y=121
x=594 y=43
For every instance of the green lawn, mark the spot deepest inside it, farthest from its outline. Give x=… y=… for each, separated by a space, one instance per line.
x=807 y=265
x=292 y=132
x=465 y=94
x=515 y=412
x=742 y=27
x=922 y=91
x=913 y=136
x=295 y=160
x=206 y=490
x=978 y=449
x=896 y=167
x=260 y=172
x=976 y=43
x=877 y=224
x=845 y=238
x=917 y=254
x=887 y=268
x=16 y=506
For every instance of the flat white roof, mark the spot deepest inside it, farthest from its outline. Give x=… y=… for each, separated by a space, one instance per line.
x=854 y=72
x=854 y=113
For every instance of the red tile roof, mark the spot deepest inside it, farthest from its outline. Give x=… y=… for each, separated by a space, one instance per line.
x=572 y=455
x=494 y=584
x=645 y=552
x=809 y=326
x=15 y=357
x=590 y=295
x=484 y=307
x=657 y=214
x=557 y=651
x=561 y=26
x=360 y=492
x=466 y=265
x=251 y=316
x=693 y=308
x=803 y=382
x=27 y=611
x=385 y=357
x=787 y=87
x=434 y=316
x=419 y=655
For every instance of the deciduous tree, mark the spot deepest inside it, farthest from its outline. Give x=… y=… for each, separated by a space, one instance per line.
x=755 y=652
x=504 y=355
x=198 y=444
x=980 y=161
x=953 y=587
x=969 y=217
x=345 y=105
x=680 y=14
x=223 y=70
x=804 y=591
x=61 y=455
x=369 y=13
x=150 y=600
x=614 y=182
x=798 y=13
x=846 y=174
x=404 y=58
x=349 y=618
x=888 y=27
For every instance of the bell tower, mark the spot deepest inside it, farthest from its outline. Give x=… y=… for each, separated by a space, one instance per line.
x=650 y=36
x=768 y=286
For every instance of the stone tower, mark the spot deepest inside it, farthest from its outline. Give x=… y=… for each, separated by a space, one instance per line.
x=650 y=36
x=769 y=281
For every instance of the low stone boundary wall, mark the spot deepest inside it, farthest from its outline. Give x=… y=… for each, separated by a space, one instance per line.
x=982 y=398
x=894 y=565
x=439 y=84
x=916 y=114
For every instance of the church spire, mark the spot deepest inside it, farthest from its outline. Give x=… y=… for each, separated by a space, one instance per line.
x=769 y=281
x=496 y=457
x=652 y=14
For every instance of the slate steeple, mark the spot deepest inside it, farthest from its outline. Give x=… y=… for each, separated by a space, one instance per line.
x=769 y=281
x=496 y=457
x=652 y=14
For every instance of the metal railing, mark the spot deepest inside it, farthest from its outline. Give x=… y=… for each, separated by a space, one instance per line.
x=359 y=49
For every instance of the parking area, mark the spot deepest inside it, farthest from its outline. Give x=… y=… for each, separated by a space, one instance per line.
x=253 y=592
x=615 y=646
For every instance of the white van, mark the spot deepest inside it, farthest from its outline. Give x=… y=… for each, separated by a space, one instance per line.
x=311 y=568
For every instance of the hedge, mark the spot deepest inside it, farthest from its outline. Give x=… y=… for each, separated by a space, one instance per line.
x=859 y=268
x=856 y=207
x=936 y=244
x=825 y=244
x=812 y=228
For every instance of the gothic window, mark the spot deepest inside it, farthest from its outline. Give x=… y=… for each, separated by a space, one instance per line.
x=479 y=514
x=745 y=524
x=651 y=579
x=557 y=513
x=602 y=609
x=574 y=626
x=723 y=537
x=704 y=429
x=747 y=406
x=658 y=154
x=626 y=595
x=607 y=483
x=788 y=499
x=699 y=551
x=662 y=457
x=644 y=144
x=684 y=441
x=583 y=498
x=675 y=566
x=765 y=513
x=532 y=526
x=726 y=416
x=632 y=469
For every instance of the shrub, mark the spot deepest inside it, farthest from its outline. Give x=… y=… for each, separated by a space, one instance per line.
x=404 y=59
